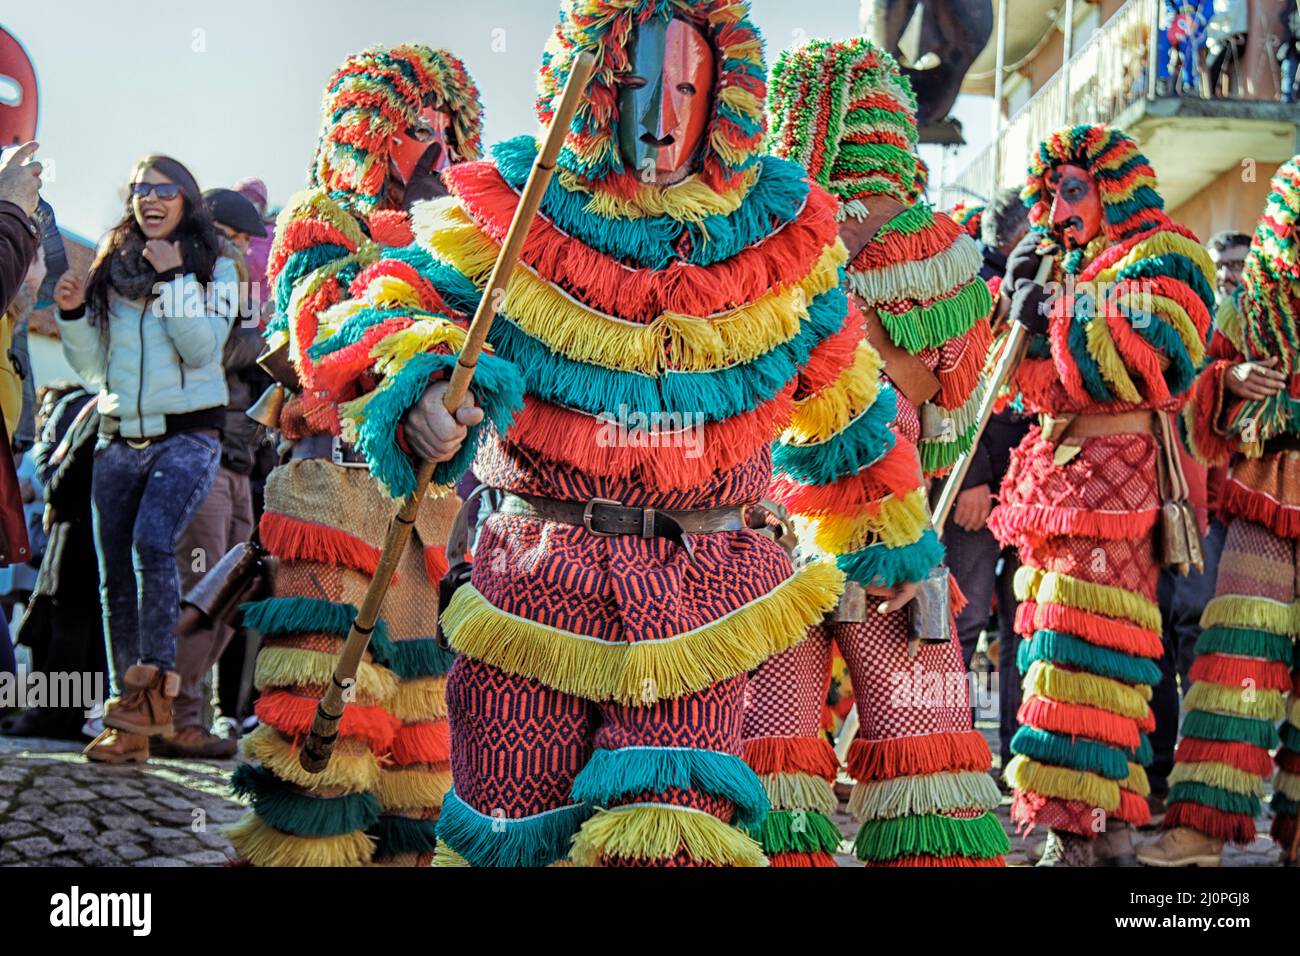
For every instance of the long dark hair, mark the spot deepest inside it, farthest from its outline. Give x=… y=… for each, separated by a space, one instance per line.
x=200 y=241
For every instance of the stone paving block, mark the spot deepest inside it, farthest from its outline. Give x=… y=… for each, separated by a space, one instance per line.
x=113 y=838
x=161 y=861
x=98 y=856
x=141 y=805
x=36 y=846
x=207 y=858
x=119 y=791
x=86 y=810
x=32 y=811
x=64 y=824
x=123 y=821
x=8 y=855
x=130 y=852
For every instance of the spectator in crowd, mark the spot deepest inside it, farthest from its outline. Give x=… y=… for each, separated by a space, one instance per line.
x=1288 y=53
x=63 y=625
x=1228 y=253
x=225 y=518
x=148 y=327
x=980 y=566
x=258 y=251
x=1225 y=43
x=1185 y=23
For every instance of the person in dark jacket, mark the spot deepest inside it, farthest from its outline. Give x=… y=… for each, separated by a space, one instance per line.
x=225 y=518
x=1288 y=53
x=973 y=555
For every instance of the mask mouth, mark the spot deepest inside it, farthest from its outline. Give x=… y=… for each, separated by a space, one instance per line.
x=651 y=140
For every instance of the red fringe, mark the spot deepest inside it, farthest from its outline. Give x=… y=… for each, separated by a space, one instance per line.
x=1240 y=672
x=391 y=227
x=1283 y=830
x=958 y=381
x=1133 y=808
x=292 y=715
x=831 y=357
x=1238 y=501
x=936 y=861
x=1043 y=520
x=894 y=474
x=1096 y=629
x=339 y=371
x=956 y=599
x=639 y=295
x=1232 y=827
x=898 y=247
x=1245 y=757
x=802 y=860
x=435 y=562
x=428 y=742
x=1079 y=720
x=921 y=754
x=810 y=755
x=1288 y=761
x=297 y=540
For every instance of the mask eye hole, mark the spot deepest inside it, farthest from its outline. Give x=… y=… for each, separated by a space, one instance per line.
x=686 y=89
x=634 y=82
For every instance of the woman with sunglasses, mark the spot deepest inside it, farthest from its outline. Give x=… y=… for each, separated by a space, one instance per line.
x=148 y=326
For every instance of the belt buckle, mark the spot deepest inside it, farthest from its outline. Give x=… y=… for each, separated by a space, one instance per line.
x=587 y=516
x=139 y=444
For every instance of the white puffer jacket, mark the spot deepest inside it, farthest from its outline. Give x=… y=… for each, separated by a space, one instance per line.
x=164 y=354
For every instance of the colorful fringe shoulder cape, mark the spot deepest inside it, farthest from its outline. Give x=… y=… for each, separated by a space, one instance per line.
x=846 y=113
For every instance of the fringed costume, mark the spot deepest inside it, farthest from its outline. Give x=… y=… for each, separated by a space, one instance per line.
x=325 y=517
x=1126 y=332
x=923 y=793
x=1246 y=677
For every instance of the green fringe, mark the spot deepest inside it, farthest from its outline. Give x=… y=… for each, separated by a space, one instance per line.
x=937 y=455
x=929 y=326
x=611 y=774
x=1284 y=806
x=1061 y=648
x=304 y=615
x=417 y=657
x=878 y=565
x=1207 y=726
x=981 y=838
x=796 y=831
x=396 y=835
x=298 y=813
x=1190 y=791
x=1245 y=642
x=1077 y=753
x=1289 y=737
x=485 y=840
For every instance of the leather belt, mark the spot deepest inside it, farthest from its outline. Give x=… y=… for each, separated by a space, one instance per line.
x=604 y=517
x=1094 y=425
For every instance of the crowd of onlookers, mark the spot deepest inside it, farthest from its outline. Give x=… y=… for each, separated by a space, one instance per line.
x=140 y=477
x=1201 y=45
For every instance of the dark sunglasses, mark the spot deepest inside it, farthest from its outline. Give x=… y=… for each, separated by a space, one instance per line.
x=161 y=190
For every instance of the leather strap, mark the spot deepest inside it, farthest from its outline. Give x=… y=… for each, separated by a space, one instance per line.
x=909 y=374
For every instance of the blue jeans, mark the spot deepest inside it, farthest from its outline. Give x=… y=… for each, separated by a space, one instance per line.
x=144 y=498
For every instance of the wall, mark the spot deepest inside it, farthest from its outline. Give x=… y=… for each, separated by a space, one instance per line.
x=1226 y=203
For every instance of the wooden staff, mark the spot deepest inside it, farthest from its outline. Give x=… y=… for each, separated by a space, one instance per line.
x=1013 y=351
x=315 y=753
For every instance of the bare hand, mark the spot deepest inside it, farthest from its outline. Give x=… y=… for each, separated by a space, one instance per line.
x=973 y=507
x=433 y=433
x=70 y=292
x=20 y=180
x=1255 y=380
x=896 y=597
x=164 y=256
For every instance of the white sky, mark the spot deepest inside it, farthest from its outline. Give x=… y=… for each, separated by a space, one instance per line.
x=233 y=88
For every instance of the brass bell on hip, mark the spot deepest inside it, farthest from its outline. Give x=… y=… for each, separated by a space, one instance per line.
x=266 y=410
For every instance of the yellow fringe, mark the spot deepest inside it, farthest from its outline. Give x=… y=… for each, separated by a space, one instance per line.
x=1052 y=587
x=1162 y=243
x=919 y=279
x=1219 y=775
x=1228 y=321
x=800 y=791
x=1293 y=711
x=1109 y=362
x=420 y=699
x=897 y=522
x=263 y=845
x=644 y=672
x=400 y=789
x=922 y=794
x=444 y=855
x=1262 y=614
x=689 y=201
x=355 y=773
x=824 y=415
x=393 y=351
x=367 y=253
x=296 y=667
x=1076 y=687
x=1265 y=705
x=1171 y=312
x=1136 y=781
x=1062 y=783
x=659 y=832
x=1288 y=784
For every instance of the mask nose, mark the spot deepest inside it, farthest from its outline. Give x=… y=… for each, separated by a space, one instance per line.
x=652 y=115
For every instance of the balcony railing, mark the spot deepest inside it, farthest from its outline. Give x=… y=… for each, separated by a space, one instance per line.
x=1106 y=75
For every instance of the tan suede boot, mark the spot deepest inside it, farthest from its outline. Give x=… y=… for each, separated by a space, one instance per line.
x=194 y=741
x=115 y=746
x=146 y=707
x=1182 y=846
x=1115 y=846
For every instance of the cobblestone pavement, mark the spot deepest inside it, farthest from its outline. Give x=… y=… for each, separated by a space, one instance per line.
x=58 y=810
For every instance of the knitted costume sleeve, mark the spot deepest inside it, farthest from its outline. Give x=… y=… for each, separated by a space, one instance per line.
x=369 y=330
x=841 y=468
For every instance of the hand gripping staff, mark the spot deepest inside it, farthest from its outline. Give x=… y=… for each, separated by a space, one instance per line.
x=315 y=753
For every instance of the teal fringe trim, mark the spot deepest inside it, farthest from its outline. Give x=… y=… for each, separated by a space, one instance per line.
x=396 y=835
x=929 y=326
x=298 y=813
x=980 y=838
x=1161 y=335
x=1143 y=754
x=938 y=455
x=796 y=831
x=690 y=396
x=652 y=242
x=304 y=615
x=1204 y=725
x=455 y=288
x=1189 y=791
x=865 y=441
x=1172 y=265
x=497 y=388
x=1289 y=737
x=1284 y=806
x=1061 y=648
x=1077 y=753
x=880 y=566
x=1084 y=312
x=300 y=264
x=416 y=657
x=485 y=840
x=611 y=774
x=1245 y=642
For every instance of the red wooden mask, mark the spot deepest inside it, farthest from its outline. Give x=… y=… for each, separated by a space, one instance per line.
x=1076 y=206
x=431 y=131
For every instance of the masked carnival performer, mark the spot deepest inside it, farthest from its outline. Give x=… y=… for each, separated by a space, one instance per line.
x=923 y=792
x=1115 y=346
x=1245 y=410
x=679 y=303
x=393 y=118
